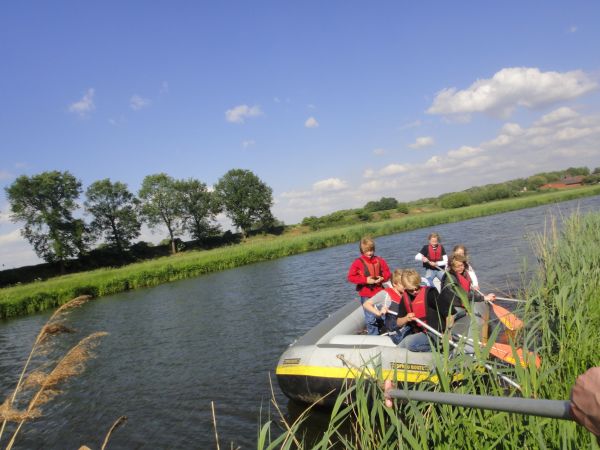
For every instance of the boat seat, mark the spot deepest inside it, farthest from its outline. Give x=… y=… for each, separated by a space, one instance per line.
x=360 y=340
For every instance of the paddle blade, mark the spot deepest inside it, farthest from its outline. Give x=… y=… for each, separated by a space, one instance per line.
x=508 y=319
x=505 y=353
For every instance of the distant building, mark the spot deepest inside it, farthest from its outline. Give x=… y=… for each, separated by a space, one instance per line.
x=565 y=183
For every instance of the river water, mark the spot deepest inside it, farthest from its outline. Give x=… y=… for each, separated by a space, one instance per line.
x=174 y=349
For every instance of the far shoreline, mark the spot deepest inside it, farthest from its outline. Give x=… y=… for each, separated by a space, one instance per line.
x=35 y=297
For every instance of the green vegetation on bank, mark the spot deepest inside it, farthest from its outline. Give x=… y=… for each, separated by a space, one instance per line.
x=563 y=320
x=38 y=296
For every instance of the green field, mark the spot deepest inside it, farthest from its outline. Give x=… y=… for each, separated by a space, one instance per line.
x=38 y=296
x=563 y=325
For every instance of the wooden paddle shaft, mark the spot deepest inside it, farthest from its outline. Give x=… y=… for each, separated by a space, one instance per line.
x=555 y=409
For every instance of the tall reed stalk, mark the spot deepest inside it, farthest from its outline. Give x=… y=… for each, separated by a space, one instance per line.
x=562 y=314
x=46 y=383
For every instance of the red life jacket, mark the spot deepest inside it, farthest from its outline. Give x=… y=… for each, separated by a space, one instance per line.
x=395 y=299
x=434 y=255
x=464 y=281
x=371 y=269
x=418 y=306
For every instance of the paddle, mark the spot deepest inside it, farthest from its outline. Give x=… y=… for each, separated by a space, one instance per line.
x=555 y=409
x=505 y=352
x=515 y=300
x=455 y=345
x=510 y=320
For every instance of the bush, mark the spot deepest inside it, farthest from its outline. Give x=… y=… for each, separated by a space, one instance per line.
x=402 y=208
x=456 y=200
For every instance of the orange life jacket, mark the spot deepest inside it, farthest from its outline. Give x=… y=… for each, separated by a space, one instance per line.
x=371 y=269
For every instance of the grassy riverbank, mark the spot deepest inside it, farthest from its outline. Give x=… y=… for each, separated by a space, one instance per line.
x=563 y=317
x=33 y=297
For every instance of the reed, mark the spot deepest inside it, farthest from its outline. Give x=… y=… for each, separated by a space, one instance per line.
x=33 y=297
x=41 y=384
x=563 y=317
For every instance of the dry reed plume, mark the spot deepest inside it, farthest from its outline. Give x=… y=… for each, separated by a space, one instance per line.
x=72 y=364
x=44 y=379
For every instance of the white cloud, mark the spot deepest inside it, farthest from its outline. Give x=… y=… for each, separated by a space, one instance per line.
x=464 y=152
x=311 y=122
x=84 y=106
x=573 y=29
x=368 y=173
x=379 y=151
x=164 y=88
x=422 y=142
x=413 y=124
x=13 y=236
x=137 y=102
x=330 y=184
x=117 y=122
x=6 y=175
x=512 y=87
x=558 y=115
x=240 y=113
x=393 y=169
x=248 y=143
x=5 y=215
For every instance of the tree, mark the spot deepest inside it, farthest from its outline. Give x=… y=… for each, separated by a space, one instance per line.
x=574 y=171
x=115 y=213
x=45 y=202
x=382 y=204
x=160 y=204
x=245 y=198
x=198 y=208
x=535 y=182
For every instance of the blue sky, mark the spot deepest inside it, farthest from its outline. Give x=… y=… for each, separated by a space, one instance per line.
x=331 y=103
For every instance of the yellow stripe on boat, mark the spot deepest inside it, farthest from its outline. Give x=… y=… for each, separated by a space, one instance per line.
x=344 y=372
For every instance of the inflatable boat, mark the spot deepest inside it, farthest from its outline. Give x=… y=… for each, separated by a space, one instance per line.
x=337 y=350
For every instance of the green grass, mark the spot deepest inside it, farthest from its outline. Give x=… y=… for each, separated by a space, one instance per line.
x=38 y=296
x=563 y=317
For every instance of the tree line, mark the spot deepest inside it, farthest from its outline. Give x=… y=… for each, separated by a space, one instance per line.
x=385 y=206
x=45 y=203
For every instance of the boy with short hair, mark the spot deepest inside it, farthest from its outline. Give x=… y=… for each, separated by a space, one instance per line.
x=368 y=272
x=434 y=258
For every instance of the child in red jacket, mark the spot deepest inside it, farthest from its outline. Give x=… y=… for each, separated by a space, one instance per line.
x=369 y=272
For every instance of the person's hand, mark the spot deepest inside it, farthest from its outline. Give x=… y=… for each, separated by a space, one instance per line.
x=388 y=386
x=585 y=400
x=383 y=311
x=449 y=321
x=490 y=297
x=410 y=317
x=425 y=260
x=371 y=280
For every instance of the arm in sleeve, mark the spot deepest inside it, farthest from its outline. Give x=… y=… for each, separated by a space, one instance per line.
x=474 y=280
x=385 y=270
x=378 y=299
x=355 y=274
x=443 y=262
x=419 y=256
